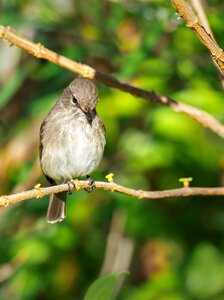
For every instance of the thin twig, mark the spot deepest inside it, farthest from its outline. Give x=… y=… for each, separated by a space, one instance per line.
x=199 y=9
x=119 y=247
x=40 y=51
x=193 y=22
x=112 y=187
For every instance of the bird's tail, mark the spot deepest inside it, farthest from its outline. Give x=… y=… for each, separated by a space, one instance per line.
x=57 y=208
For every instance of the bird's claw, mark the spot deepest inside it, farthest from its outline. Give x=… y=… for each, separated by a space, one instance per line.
x=71 y=185
x=92 y=184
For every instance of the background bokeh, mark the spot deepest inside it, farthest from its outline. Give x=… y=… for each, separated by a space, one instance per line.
x=175 y=246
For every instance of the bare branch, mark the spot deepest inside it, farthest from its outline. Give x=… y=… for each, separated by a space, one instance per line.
x=40 y=51
x=202 y=16
x=112 y=187
x=205 y=37
x=204 y=21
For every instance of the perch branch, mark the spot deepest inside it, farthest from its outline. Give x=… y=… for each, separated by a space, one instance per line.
x=205 y=37
x=112 y=187
x=40 y=51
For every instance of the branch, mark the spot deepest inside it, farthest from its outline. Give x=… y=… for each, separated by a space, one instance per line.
x=206 y=38
x=199 y=9
x=40 y=51
x=112 y=187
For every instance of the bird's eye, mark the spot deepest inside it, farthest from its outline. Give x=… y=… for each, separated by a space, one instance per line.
x=74 y=100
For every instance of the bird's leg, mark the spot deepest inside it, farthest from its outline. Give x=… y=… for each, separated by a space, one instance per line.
x=92 y=184
x=71 y=185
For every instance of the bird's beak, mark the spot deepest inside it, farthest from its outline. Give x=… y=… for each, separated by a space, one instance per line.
x=89 y=115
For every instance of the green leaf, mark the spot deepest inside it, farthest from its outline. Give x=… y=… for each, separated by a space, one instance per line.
x=105 y=287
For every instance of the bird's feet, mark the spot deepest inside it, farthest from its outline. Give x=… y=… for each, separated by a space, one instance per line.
x=92 y=184
x=71 y=185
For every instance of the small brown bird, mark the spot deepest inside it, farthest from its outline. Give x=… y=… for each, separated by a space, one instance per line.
x=72 y=140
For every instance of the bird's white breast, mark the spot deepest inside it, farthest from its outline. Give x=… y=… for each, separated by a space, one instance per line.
x=73 y=148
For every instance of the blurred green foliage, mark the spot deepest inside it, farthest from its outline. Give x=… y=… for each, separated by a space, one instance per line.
x=179 y=243
x=105 y=287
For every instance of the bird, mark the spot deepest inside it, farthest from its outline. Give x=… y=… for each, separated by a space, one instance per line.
x=72 y=141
